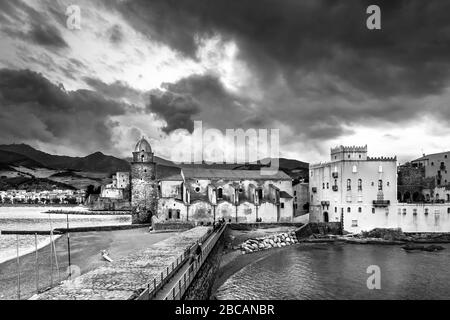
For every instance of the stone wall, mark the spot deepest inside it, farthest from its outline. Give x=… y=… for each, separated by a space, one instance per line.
x=144 y=191
x=201 y=286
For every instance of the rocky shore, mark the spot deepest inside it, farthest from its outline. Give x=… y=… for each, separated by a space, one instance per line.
x=381 y=236
x=377 y=236
x=271 y=241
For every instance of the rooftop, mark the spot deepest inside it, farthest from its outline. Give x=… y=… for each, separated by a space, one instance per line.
x=201 y=173
x=427 y=156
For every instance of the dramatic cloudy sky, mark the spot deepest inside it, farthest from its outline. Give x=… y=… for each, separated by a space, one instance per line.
x=309 y=68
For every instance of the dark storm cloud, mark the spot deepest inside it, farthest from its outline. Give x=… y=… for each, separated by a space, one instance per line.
x=409 y=55
x=34 y=109
x=40 y=31
x=176 y=109
x=47 y=35
x=199 y=97
x=334 y=72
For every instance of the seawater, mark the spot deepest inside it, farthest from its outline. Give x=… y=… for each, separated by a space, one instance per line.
x=339 y=271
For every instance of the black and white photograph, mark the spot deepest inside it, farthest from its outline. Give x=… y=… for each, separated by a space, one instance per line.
x=224 y=150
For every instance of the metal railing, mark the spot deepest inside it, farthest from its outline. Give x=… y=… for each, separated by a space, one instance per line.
x=183 y=284
x=166 y=275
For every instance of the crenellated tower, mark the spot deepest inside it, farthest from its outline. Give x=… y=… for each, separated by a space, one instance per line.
x=144 y=187
x=343 y=153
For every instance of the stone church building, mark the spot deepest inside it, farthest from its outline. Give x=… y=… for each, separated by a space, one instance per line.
x=199 y=194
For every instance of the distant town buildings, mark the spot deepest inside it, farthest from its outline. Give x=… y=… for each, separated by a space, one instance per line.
x=42 y=197
x=301 y=197
x=118 y=188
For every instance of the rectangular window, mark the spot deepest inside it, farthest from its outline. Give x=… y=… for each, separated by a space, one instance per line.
x=282 y=205
x=354 y=223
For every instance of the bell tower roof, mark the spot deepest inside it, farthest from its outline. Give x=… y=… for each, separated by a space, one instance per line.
x=143 y=146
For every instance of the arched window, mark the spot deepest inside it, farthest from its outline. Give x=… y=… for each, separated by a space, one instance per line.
x=359 y=184
x=359 y=209
x=170 y=213
x=349 y=184
x=348 y=209
x=380 y=184
x=219 y=193
x=178 y=214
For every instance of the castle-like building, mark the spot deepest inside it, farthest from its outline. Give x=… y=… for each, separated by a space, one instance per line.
x=363 y=192
x=199 y=194
x=353 y=188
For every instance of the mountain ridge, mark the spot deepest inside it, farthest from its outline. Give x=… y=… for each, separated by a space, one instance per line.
x=23 y=154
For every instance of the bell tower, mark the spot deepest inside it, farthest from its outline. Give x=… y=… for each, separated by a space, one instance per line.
x=144 y=187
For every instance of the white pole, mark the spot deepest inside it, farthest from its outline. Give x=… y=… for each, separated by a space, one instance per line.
x=36 y=262
x=18 y=269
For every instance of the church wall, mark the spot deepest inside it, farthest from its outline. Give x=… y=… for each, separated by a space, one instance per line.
x=198 y=189
x=171 y=189
x=287 y=213
x=226 y=210
x=164 y=204
x=201 y=211
x=246 y=212
x=267 y=212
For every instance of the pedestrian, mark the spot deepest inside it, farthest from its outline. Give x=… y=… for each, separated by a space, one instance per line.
x=198 y=251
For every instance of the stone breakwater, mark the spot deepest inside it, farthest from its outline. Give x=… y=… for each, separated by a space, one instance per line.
x=272 y=241
x=90 y=212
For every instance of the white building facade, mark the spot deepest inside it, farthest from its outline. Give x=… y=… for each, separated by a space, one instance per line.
x=353 y=188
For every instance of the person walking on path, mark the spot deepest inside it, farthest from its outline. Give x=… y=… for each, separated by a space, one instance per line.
x=198 y=251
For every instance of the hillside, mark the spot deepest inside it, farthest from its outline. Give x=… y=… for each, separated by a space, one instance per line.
x=31 y=184
x=44 y=169
x=8 y=158
x=96 y=162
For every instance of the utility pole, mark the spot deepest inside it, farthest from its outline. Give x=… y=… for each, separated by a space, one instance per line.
x=68 y=245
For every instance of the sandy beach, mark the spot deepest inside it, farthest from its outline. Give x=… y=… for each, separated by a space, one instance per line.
x=85 y=256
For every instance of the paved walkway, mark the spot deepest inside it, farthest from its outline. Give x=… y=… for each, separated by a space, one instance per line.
x=183 y=277
x=127 y=277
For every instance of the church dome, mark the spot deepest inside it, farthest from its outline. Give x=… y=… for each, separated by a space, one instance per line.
x=143 y=145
